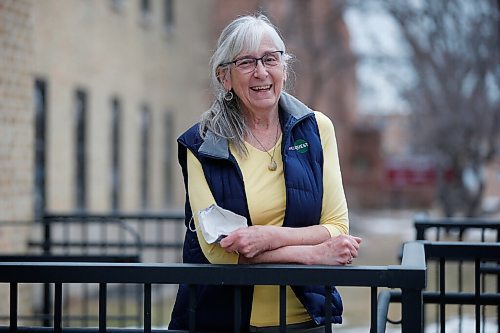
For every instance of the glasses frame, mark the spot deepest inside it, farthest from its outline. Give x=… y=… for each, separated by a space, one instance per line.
x=256 y=60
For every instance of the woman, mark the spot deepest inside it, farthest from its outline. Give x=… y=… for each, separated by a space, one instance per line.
x=262 y=154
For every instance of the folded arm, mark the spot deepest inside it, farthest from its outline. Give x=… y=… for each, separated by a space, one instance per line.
x=309 y=245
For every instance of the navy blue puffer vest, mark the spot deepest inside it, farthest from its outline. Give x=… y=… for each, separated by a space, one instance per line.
x=303 y=170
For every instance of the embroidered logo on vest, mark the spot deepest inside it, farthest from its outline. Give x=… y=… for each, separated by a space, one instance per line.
x=300 y=146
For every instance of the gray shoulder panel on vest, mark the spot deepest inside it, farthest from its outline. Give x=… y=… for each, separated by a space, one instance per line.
x=218 y=147
x=293 y=106
x=214 y=146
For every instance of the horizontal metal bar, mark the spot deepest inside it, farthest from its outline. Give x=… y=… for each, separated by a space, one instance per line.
x=70 y=258
x=461 y=298
x=384 y=299
x=170 y=215
x=39 y=316
x=110 y=245
x=490 y=269
x=210 y=274
x=37 y=329
x=463 y=251
x=457 y=223
x=465 y=298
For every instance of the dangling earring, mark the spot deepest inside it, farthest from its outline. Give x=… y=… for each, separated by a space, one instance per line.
x=228 y=96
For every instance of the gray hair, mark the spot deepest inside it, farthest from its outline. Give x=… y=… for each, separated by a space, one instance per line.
x=224 y=118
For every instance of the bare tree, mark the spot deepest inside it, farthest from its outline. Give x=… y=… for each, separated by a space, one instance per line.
x=454 y=98
x=316 y=33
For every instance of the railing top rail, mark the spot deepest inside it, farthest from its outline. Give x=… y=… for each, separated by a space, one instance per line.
x=466 y=251
x=411 y=274
x=119 y=258
x=74 y=217
x=426 y=222
x=108 y=218
x=53 y=272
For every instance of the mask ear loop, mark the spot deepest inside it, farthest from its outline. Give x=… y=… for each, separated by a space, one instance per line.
x=191 y=222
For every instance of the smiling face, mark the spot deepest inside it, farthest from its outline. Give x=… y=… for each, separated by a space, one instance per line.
x=260 y=89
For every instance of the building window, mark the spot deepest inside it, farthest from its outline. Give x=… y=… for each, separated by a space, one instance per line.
x=116 y=114
x=80 y=105
x=117 y=5
x=168 y=158
x=145 y=124
x=146 y=13
x=40 y=104
x=168 y=16
x=146 y=6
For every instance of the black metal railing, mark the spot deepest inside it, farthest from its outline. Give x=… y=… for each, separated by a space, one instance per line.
x=100 y=238
x=484 y=260
x=156 y=237
x=462 y=230
x=457 y=229
x=410 y=277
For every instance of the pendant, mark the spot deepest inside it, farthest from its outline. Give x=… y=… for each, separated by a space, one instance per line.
x=272 y=165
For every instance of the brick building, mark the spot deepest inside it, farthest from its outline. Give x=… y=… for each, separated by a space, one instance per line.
x=16 y=126
x=107 y=82
x=116 y=82
x=92 y=97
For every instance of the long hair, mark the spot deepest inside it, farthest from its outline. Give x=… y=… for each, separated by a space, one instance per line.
x=225 y=118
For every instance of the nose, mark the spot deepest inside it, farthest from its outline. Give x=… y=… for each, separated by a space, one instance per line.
x=260 y=69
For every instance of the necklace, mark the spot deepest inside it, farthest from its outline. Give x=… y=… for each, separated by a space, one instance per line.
x=272 y=166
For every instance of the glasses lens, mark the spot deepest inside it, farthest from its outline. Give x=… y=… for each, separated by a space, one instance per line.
x=245 y=65
x=271 y=59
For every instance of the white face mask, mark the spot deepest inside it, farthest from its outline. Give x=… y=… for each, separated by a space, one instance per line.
x=216 y=223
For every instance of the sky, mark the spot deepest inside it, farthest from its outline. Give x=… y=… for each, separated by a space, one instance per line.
x=374 y=34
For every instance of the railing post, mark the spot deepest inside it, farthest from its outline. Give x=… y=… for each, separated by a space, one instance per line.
x=192 y=308
x=411 y=308
x=47 y=243
x=477 y=293
x=328 y=309
x=102 y=307
x=282 y=303
x=442 y=292
x=237 y=309
x=411 y=298
x=147 y=308
x=13 y=307
x=373 y=309
x=57 y=307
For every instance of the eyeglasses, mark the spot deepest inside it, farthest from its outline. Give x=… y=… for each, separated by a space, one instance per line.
x=248 y=64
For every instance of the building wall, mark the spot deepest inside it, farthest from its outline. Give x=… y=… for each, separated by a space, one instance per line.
x=16 y=144
x=110 y=49
x=16 y=134
x=491 y=201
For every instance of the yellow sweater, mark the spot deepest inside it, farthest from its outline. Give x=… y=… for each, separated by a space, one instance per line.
x=265 y=191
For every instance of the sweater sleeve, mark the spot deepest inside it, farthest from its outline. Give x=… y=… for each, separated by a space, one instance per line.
x=334 y=214
x=200 y=197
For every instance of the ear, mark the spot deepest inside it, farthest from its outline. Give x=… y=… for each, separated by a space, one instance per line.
x=224 y=78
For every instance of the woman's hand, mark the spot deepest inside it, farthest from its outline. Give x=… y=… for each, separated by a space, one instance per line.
x=265 y=244
x=339 y=250
x=251 y=241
